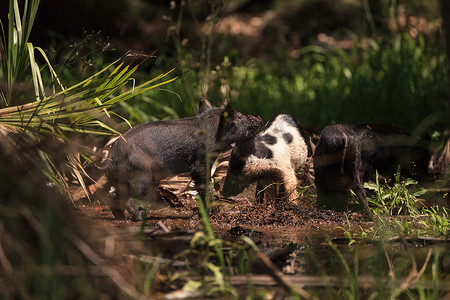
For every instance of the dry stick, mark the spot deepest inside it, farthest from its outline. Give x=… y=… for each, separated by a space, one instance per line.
x=364 y=282
x=404 y=285
x=413 y=259
x=152 y=260
x=163 y=226
x=391 y=267
x=424 y=266
x=414 y=275
x=112 y=273
x=264 y=261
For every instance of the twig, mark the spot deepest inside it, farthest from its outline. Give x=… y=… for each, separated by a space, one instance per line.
x=310 y=281
x=182 y=294
x=163 y=226
x=414 y=275
x=413 y=259
x=391 y=267
x=111 y=272
x=151 y=260
x=264 y=261
x=424 y=266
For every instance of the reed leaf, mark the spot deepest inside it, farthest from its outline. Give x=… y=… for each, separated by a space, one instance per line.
x=77 y=108
x=16 y=56
x=69 y=111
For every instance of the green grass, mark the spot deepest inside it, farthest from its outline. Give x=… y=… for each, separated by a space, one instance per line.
x=394 y=80
x=395 y=197
x=378 y=271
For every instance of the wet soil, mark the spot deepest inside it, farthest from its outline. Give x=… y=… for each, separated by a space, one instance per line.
x=295 y=237
x=278 y=221
x=270 y=225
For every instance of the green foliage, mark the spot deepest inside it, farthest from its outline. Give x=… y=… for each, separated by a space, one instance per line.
x=396 y=198
x=15 y=55
x=399 y=211
x=212 y=259
x=78 y=108
x=74 y=110
x=396 y=74
x=210 y=232
x=439 y=220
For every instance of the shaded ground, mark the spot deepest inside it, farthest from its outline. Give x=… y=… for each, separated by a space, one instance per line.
x=278 y=221
x=308 y=247
x=278 y=224
x=295 y=238
x=294 y=241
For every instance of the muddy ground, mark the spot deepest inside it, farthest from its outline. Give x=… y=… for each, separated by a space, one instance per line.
x=275 y=222
x=295 y=237
x=303 y=243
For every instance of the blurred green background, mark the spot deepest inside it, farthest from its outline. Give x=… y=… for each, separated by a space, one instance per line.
x=353 y=61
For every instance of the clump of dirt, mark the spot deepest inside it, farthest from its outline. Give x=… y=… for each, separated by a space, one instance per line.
x=279 y=213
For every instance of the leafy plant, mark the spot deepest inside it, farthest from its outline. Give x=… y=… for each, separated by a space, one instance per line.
x=17 y=53
x=74 y=110
x=211 y=258
x=396 y=198
x=392 y=72
x=439 y=218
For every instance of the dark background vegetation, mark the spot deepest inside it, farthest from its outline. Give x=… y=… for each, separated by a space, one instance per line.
x=323 y=61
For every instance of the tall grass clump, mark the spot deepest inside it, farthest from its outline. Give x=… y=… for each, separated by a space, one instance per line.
x=16 y=51
x=46 y=252
x=64 y=114
x=382 y=269
x=393 y=79
x=397 y=80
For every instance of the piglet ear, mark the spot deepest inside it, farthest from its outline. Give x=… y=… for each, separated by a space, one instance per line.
x=225 y=112
x=227 y=108
x=204 y=105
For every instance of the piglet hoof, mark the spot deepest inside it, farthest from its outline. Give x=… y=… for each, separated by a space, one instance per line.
x=136 y=217
x=368 y=216
x=134 y=212
x=118 y=214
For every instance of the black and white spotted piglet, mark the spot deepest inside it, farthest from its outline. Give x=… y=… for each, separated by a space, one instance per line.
x=279 y=152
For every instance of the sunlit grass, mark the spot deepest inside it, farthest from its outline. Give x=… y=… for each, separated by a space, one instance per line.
x=393 y=79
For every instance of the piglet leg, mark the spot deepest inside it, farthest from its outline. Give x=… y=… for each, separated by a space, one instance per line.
x=290 y=185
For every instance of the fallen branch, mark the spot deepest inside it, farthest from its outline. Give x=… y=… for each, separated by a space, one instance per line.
x=264 y=261
x=302 y=281
x=152 y=259
x=419 y=239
